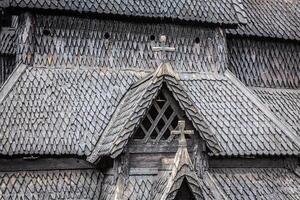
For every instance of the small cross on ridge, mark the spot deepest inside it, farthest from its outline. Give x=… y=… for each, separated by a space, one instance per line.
x=163 y=48
x=181 y=132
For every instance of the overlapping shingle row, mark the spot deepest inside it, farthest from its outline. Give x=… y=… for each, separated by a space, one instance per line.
x=284 y=103
x=138 y=187
x=265 y=63
x=221 y=12
x=59 y=111
x=57 y=184
x=7 y=44
x=273 y=19
x=65 y=111
x=241 y=126
x=257 y=183
x=62 y=42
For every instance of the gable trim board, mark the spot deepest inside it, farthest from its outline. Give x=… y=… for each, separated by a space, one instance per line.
x=285 y=128
x=134 y=106
x=11 y=80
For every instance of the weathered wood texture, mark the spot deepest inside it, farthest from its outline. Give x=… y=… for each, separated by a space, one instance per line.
x=257 y=183
x=51 y=184
x=264 y=63
x=40 y=164
x=272 y=19
x=25 y=45
x=71 y=42
x=217 y=12
x=252 y=162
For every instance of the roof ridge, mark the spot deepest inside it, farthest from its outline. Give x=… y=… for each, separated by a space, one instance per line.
x=281 y=125
x=11 y=80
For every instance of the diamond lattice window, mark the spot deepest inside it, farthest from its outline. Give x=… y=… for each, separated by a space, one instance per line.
x=160 y=120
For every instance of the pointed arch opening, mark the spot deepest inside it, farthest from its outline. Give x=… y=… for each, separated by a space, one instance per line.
x=184 y=192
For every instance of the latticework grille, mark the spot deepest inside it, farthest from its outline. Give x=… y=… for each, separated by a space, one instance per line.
x=160 y=120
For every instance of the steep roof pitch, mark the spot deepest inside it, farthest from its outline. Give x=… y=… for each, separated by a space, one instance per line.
x=219 y=11
x=133 y=107
x=257 y=183
x=58 y=111
x=7 y=44
x=33 y=99
x=182 y=169
x=274 y=19
x=243 y=125
x=284 y=103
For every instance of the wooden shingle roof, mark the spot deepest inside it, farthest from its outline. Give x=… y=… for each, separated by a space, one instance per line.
x=272 y=19
x=217 y=12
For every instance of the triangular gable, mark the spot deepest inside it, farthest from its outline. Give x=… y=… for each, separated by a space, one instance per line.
x=182 y=173
x=134 y=106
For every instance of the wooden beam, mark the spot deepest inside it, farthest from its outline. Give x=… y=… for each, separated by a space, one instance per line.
x=41 y=164
x=255 y=162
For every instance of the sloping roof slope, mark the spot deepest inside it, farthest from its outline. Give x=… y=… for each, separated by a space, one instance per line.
x=58 y=184
x=65 y=111
x=7 y=44
x=241 y=125
x=257 y=183
x=219 y=11
x=59 y=111
x=274 y=19
x=261 y=63
x=284 y=103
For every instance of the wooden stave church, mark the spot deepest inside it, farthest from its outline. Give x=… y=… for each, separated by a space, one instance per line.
x=84 y=99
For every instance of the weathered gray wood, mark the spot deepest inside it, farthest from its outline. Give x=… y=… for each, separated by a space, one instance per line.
x=162 y=147
x=251 y=162
x=143 y=171
x=39 y=164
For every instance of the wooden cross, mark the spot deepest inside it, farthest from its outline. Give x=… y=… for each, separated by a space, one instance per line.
x=181 y=132
x=163 y=48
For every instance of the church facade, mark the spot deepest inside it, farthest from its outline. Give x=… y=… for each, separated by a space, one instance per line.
x=150 y=100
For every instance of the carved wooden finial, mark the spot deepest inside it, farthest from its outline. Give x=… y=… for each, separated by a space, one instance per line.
x=181 y=132
x=163 y=48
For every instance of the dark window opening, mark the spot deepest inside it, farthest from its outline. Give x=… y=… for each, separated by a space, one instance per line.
x=184 y=193
x=139 y=134
x=6 y=21
x=46 y=32
x=154 y=135
x=160 y=120
x=152 y=37
x=106 y=35
x=169 y=112
x=197 y=40
x=153 y=112
x=166 y=135
x=146 y=123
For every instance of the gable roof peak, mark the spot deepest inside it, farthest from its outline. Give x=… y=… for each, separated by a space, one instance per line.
x=166 y=69
x=182 y=170
x=134 y=106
